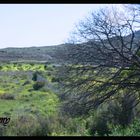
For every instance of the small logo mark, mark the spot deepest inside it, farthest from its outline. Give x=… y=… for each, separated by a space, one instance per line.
x=4 y=120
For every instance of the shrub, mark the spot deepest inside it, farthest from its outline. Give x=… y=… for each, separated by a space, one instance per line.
x=55 y=79
x=44 y=128
x=58 y=125
x=26 y=83
x=38 y=85
x=32 y=64
x=136 y=127
x=7 y=96
x=34 y=78
x=122 y=110
x=117 y=130
x=23 y=125
x=2 y=130
x=0 y=67
x=45 y=67
x=99 y=125
x=49 y=73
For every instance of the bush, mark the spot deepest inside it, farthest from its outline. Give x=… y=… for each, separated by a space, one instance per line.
x=135 y=127
x=66 y=126
x=49 y=73
x=55 y=79
x=99 y=125
x=0 y=67
x=122 y=110
x=23 y=125
x=2 y=130
x=26 y=83
x=38 y=85
x=34 y=78
x=7 y=96
x=45 y=67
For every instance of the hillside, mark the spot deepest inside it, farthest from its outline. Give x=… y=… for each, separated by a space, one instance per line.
x=55 y=54
x=42 y=53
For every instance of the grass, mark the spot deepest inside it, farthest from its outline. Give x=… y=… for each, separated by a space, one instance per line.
x=26 y=101
x=35 y=112
x=22 y=67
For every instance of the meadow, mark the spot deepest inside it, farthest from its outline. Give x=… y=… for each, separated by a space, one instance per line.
x=27 y=101
x=31 y=98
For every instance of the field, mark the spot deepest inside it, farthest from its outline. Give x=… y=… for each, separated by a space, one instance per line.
x=31 y=97
x=26 y=97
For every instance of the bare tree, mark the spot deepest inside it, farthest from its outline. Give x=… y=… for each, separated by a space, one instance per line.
x=105 y=60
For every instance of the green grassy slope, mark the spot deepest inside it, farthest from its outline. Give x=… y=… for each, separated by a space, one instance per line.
x=21 y=102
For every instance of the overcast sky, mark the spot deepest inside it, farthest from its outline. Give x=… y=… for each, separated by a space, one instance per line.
x=26 y=25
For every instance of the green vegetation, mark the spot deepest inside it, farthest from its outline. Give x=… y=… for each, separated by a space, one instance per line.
x=20 y=100
x=29 y=98
x=89 y=87
x=21 y=67
x=117 y=116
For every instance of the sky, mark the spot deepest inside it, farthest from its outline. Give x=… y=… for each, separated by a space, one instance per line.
x=27 y=25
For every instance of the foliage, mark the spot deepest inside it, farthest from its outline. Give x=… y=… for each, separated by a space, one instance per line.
x=27 y=108
x=131 y=130
x=35 y=76
x=7 y=96
x=100 y=125
x=38 y=85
